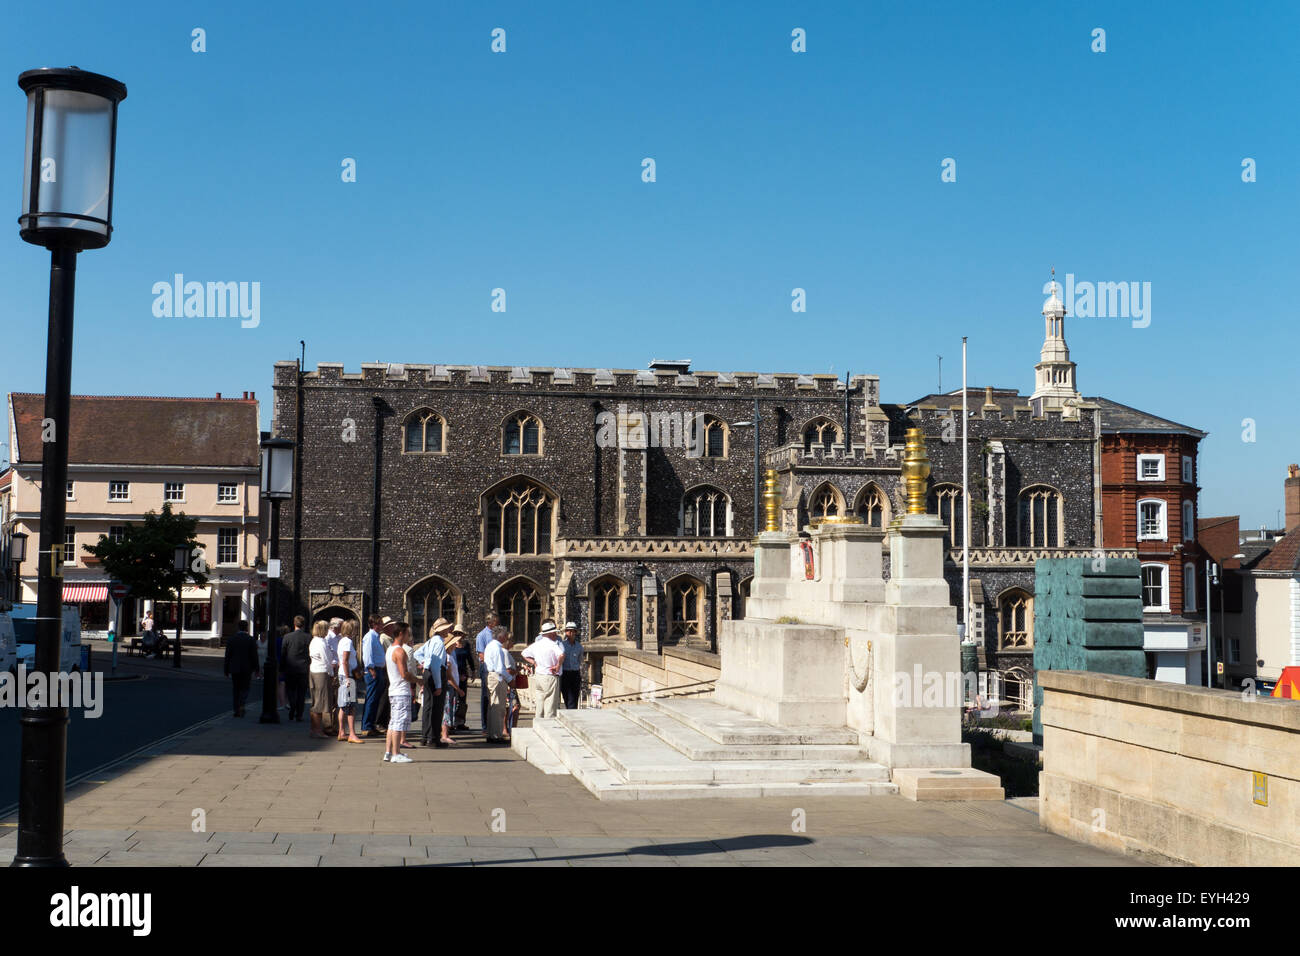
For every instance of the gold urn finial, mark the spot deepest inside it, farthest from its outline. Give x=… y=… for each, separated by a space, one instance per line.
x=771 y=502
x=916 y=471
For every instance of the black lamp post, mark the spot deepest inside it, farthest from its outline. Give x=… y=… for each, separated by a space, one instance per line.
x=67 y=206
x=181 y=565
x=277 y=486
x=17 y=555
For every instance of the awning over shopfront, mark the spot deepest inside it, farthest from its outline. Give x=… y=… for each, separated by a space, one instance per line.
x=196 y=594
x=84 y=593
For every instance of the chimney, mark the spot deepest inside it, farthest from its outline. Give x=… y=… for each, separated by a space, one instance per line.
x=1292 y=497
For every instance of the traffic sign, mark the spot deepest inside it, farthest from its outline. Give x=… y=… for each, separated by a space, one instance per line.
x=117 y=590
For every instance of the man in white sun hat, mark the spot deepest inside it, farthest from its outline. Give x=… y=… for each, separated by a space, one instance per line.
x=547 y=657
x=571 y=677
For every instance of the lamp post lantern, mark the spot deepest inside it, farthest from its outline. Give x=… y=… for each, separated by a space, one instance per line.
x=67 y=206
x=17 y=555
x=277 y=486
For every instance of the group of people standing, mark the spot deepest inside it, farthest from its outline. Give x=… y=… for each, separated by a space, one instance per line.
x=432 y=679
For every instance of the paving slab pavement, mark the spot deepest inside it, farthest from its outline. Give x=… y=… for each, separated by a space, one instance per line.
x=270 y=795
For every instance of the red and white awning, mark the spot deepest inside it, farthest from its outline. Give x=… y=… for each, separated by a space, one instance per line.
x=84 y=593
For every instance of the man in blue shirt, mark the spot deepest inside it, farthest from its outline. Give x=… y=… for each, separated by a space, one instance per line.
x=432 y=656
x=571 y=676
x=480 y=645
x=372 y=659
x=496 y=663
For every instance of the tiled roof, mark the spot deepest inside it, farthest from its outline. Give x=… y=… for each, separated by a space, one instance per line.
x=1123 y=418
x=1006 y=399
x=1221 y=539
x=129 y=430
x=1285 y=555
x=1255 y=550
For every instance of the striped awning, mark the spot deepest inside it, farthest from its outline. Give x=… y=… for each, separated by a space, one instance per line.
x=84 y=593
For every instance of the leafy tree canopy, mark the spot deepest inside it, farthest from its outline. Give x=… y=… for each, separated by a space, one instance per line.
x=144 y=558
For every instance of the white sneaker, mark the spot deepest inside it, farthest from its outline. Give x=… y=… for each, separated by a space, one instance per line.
x=386 y=755
x=400 y=758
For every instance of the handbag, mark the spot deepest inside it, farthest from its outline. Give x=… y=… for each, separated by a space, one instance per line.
x=521 y=680
x=347 y=692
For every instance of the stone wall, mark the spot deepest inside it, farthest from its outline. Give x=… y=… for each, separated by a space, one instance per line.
x=430 y=519
x=678 y=672
x=1168 y=770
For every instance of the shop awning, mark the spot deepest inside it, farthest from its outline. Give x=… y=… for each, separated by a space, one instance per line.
x=84 y=593
x=196 y=594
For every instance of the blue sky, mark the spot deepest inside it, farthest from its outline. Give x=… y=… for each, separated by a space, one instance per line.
x=775 y=170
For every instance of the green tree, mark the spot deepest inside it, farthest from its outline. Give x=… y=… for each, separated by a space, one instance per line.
x=144 y=558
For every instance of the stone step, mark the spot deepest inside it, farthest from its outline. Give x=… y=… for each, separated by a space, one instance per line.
x=641 y=757
x=587 y=768
x=607 y=784
x=947 y=783
x=727 y=726
x=697 y=746
x=634 y=754
x=525 y=742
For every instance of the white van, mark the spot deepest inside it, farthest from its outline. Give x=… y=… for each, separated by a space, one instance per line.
x=24 y=625
x=8 y=646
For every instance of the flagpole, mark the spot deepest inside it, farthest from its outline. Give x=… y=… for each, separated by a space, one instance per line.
x=965 y=511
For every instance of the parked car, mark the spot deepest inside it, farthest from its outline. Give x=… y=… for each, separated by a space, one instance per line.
x=72 y=654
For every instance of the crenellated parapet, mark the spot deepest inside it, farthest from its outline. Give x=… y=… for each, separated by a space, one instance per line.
x=561 y=380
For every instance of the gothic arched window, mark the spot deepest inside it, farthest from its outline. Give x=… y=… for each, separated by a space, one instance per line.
x=706 y=513
x=519 y=605
x=518 y=518
x=708 y=437
x=521 y=434
x=825 y=502
x=948 y=501
x=873 y=508
x=424 y=432
x=608 y=598
x=429 y=600
x=685 y=608
x=820 y=433
x=1015 y=620
x=1041 y=514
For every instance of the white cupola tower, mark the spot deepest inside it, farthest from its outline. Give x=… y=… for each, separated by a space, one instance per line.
x=1055 y=384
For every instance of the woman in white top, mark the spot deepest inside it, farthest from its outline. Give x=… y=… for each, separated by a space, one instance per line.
x=400 y=682
x=318 y=677
x=512 y=697
x=348 y=665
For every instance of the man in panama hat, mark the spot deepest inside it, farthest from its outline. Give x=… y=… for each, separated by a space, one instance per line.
x=432 y=656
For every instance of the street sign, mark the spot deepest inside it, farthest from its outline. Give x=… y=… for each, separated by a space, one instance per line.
x=117 y=590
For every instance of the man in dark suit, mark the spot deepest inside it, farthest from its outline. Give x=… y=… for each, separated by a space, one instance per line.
x=295 y=662
x=241 y=665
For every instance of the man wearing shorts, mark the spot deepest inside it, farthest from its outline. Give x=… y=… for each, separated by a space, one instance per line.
x=400 y=684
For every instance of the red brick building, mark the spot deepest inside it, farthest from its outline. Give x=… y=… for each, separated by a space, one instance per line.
x=1149 y=502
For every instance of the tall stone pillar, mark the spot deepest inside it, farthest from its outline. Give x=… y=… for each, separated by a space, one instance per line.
x=650 y=614
x=631 y=492
x=771 y=554
x=917 y=681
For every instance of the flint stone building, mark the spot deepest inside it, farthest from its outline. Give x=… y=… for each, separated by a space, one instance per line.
x=626 y=500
